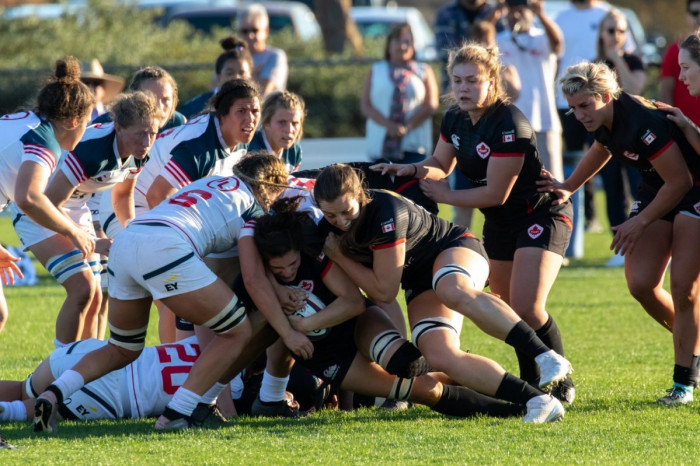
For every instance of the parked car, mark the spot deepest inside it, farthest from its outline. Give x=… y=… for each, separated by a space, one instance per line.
x=375 y=22
x=292 y=15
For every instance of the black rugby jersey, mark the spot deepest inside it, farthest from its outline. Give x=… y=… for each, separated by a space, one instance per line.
x=501 y=132
x=640 y=133
x=390 y=219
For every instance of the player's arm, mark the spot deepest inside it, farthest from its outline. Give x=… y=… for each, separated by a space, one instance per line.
x=160 y=190
x=382 y=281
x=262 y=294
x=30 y=198
x=349 y=302
x=501 y=175
x=437 y=167
x=123 y=200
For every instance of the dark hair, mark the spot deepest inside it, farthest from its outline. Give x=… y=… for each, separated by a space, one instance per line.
x=338 y=180
x=264 y=173
x=394 y=33
x=230 y=92
x=234 y=49
x=692 y=45
x=64 y=95
x=280 y=233
x=154 y=73
x=131 y=109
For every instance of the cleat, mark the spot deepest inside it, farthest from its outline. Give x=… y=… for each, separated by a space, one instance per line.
x=283 y=408
x=174 y=420
x=543 y=408
x=554 y=369
x=4 y=444
x=677 y=395
x=207 y=415
x=44 y=415
x=565 y=392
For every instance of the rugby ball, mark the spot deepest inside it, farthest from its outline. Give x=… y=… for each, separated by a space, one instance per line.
x=312 y=305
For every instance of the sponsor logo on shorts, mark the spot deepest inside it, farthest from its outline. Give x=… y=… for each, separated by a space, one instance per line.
x=455 y=141
x=648 y=137
x=307 y=285
x=331 y=371
x=388 y=226
x=483 y=150
x=535 y=231
x=171 y=284
x=631 y=155
x=508 y=136
x=85 y=410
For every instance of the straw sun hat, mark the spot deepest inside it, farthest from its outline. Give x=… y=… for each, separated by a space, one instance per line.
x=94 y=73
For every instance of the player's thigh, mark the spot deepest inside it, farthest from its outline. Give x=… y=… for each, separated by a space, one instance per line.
x=646 y=264
x=534 y=273
x=685 y=266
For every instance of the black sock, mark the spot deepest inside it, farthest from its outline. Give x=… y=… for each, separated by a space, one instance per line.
x=550 y=336
x=529 y=371
x=523 y=338
x=463 y=402
x=515 y=390
x=687 y=376
x=408 y=362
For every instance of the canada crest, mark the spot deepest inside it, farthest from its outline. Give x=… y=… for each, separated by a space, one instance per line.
x=483 y=150
x=631 y=155
x=307 y=285
x=535 y=231
x=648 y=137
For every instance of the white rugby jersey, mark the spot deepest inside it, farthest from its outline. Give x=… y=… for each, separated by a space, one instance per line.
x=24 y=136
x=157 y=373
x=95 y=164
x=303 y=187
x=211 y=213
x=187 y=153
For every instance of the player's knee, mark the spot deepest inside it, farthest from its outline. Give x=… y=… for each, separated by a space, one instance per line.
x=401 y=389
x=379 y=347
x=407 y=362
x=128 y=342
x=684 y=291
x=64 y=266
x=229 y=318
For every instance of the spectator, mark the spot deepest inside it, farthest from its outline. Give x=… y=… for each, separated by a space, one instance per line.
x=619 y=181
x=671 y=89
x=579 y=23
x=104 y=86
x=400 y=97
x=452 y=25
x=234 y=63
x=270 y=64
x=530 y=48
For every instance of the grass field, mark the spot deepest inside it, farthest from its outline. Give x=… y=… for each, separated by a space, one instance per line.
x=623 y=361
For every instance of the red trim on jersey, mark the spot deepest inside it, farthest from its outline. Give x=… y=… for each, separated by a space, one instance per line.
x=507 y=154
x=443 y=138
x=76 y=167
x=406 y=185
x=468 y=234
x=43 y=153
x=178 y=173
x=663 y=149
x=326 y=269
x=133 y=390
x=389 y=245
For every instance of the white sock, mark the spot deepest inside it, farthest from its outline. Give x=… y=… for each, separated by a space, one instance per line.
x=184 y=401
x=13 y=411
x=272 y=388
x=210 y=396
x=237 y=387
x=69 y=382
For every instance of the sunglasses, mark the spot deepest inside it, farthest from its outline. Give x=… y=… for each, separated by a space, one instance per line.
x=612 y=31
x=694 y=13
x=250 y=30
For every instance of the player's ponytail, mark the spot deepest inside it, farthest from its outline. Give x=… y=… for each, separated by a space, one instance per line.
x=265 y=174
x=64 y=96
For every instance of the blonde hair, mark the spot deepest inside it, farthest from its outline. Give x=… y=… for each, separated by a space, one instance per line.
x=283 y=99
x=136 y=107
x=595 y=79
x=265 y=174
x=489 y=65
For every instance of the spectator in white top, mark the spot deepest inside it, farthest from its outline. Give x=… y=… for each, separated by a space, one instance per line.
x=526 y=47
x=271 y=68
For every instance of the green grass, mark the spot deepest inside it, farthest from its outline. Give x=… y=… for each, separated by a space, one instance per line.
x=623 y=362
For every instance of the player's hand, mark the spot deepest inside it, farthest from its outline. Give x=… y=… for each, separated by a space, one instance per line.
x=102 y=246
x=548 y=184
x=9 y=267
x=298 y=344
x=291 y=299
x=626 y=236
x=396 y=169
x=83 y=241
x=437 y=190
x=675 y=115
x=298 y=323
x=331 y=247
